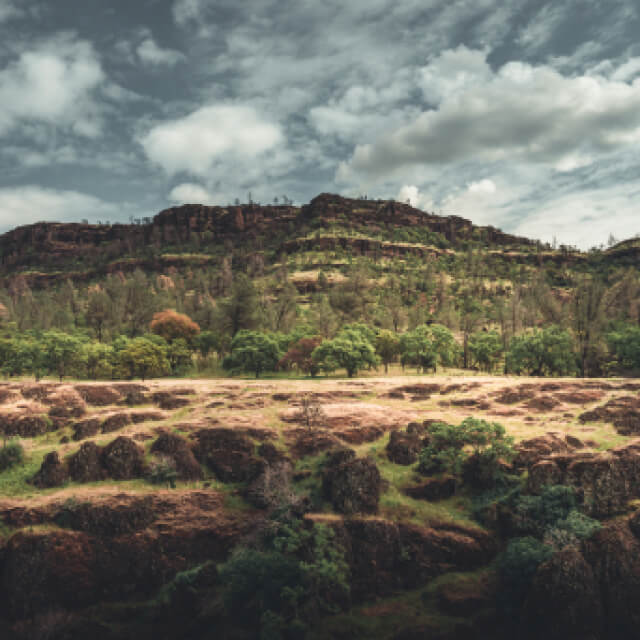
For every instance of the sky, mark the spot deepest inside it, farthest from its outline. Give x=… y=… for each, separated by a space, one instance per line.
x=521 y=114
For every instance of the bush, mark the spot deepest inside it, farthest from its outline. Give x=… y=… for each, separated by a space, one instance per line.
x=547 y=352
x=298 y=575
x=473 y=449
x=517 y=565
x=11 y=455
x=164 y=473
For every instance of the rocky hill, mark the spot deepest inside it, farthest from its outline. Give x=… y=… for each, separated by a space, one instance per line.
x=46 y=253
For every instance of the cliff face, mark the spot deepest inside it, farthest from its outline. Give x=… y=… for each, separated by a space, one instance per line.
x=62 y=245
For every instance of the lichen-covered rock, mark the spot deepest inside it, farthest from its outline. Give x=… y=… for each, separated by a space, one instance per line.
x=228 y=454
x=86 y=428
x=85 y=465
x=564 y=601
x=352 y=485
x=168 y=400
x=99 y=395
x=436 y=488
x=122 y=459
x=403 y=448
x=24 y=425
x=605 y=482
x=115 y=421
x=52 y=472
x=178 y=449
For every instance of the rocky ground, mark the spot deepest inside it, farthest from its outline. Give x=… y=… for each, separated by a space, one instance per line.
x=84 y=524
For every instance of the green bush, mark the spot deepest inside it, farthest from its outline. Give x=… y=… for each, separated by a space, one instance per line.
x=164 y=473
x=517 y=565
x=474 y=449
x=11 y=455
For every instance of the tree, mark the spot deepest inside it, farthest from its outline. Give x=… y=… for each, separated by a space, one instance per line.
x=171 y=325
x=387 y=347
x=544 y=352
x=206 y=342
x=350 y=350
x=98 y=305
x=240 y=310
x=283 y=310
x=143 y=358
x=300 y=355
x=139 y=302
x=98 y=358
x=445 y=345
x=180 y=356
x=471 y=314
x=252 y=351
x=63 y=353
x=417 y=348
x=624 y=346
x=485 y=348
x=588 y=318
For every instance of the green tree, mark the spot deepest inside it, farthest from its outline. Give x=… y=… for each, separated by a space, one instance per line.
x=588 y=318
x=240 y=310
x=63 y=353
x=543 y=352
x=180 y=356
x=471 y=315
x=99 y=360
x=418 y=348
x=387 y=347
x=485 y=348
x=350 y=350
x=624 y=347
x=143 y=358
x=98 y=309
x=252 y=351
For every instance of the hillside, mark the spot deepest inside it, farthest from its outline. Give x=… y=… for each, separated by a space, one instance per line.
x=47 y=253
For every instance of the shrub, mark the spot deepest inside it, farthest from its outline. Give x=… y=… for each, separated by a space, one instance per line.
x=11 y=455
x=164 y=472
x=517 y=565
x=474 y=449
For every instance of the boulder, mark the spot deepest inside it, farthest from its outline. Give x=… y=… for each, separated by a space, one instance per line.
x=177 y=448
x=52 y=472
x=228 y=454
x=115 y=421
x=605 y=482
x=86 y=428
x=352 y=485
x=563 y=602
x=436 y=488
x=403 y=448
x=167 y=400
x=25 y=425
x=99 y=395
x=122 y=459
x=85 y=464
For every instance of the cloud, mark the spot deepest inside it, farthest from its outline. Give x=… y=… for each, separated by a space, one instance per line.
x=584 y=218
x=190 y=193
x=195 y=143
x=483 y=186
x=8 y=10
x=28 y=204
x=150 y=53
x=522 y=112
x=413 y=195
x=53 y=83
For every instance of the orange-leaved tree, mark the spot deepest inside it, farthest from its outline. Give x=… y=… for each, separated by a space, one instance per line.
x=171 y=325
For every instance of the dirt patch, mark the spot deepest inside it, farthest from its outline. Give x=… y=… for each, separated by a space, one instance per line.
x=580 y=397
